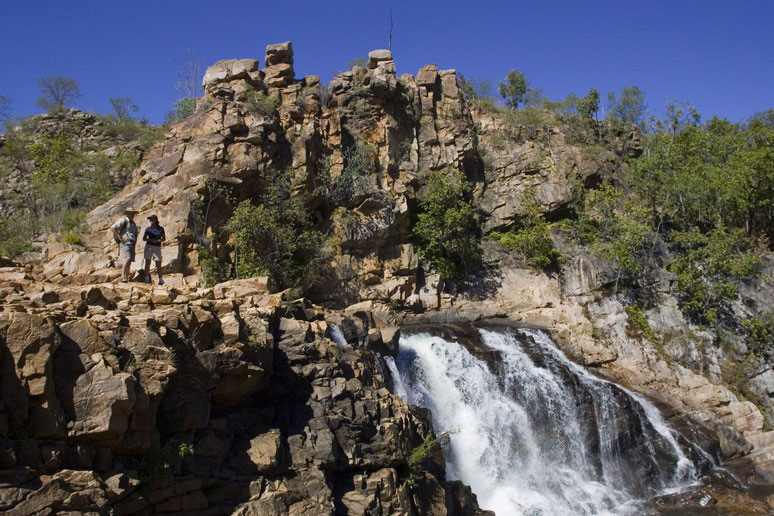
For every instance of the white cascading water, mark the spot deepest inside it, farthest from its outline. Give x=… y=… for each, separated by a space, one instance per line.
x=533 y=433
x=338 y=336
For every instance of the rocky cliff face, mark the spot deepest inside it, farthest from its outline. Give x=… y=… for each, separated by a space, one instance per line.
x=105 y=386
x=134 y=399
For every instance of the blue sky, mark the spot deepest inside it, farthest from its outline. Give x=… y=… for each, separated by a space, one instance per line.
x=715 y=54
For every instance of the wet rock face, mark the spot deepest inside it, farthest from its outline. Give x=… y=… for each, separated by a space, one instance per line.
x=126 y=399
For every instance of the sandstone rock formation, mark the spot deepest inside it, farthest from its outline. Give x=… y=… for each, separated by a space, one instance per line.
x=101 y=383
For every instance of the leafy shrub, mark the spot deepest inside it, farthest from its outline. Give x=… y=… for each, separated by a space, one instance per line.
x=130 y=130
x=580 y=130
x=260 y=103
x=531 y=237
x=359 y=161
x=446 y=229
x=162 y=462
x=707 y=267
x=616 y=229
x=760 y=334
x=415 y=464
x=15 y=235
x=71 y=237
x=182 y=109
x=213 y=271
x=361 y=109
x=638 y=323
x=531 y=117
x=149 y=135
x=276 y=238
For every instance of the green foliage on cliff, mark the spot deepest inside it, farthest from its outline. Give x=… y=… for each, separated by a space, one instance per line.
x=700 y=200
x=709 y=193
x=359 y=161
x=760 y=334
x=531 y=237
x=513 y=88
x=182 y=109
x=64 y=174
x=414 y=466
x=615 y=228
x=707 y=175
x=275 y=237
x=707 y=266
x=260 y=103
x=162 y=462
x=638 y=323
x=446 y=231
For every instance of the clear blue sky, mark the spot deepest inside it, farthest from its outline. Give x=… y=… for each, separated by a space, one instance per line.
x=715 y=54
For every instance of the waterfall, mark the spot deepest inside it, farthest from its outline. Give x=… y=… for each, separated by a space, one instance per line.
x=338 y=336
x=534 y=433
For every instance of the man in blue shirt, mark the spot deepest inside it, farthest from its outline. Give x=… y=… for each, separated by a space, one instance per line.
x=153 y=237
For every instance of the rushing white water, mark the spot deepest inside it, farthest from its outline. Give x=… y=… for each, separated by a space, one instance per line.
x=338 y=336
x=533 y=433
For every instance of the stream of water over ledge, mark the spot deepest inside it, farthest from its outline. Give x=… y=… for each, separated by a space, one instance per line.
x=534 y=433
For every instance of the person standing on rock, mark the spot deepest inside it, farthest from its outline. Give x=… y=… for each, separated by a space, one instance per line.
x=153 y=237
x=125 y=234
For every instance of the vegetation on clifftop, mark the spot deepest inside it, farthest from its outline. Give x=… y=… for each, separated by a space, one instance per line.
x=446 y=232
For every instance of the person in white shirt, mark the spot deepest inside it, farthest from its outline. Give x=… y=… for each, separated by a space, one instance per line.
x=125 y=234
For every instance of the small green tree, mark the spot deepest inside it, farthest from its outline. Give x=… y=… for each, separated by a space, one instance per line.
x=531 y=237
x=446 y=229
x=415 y=464
x=707 y=268
x=5 y=107
x=589 y=105
x=276 y=238
x=58 y=92
x=628 y=107
x=513 y=88
x=182 y=109
x=122 y=109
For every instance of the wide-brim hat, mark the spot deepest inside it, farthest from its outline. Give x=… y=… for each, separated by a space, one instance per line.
x=131 y=210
